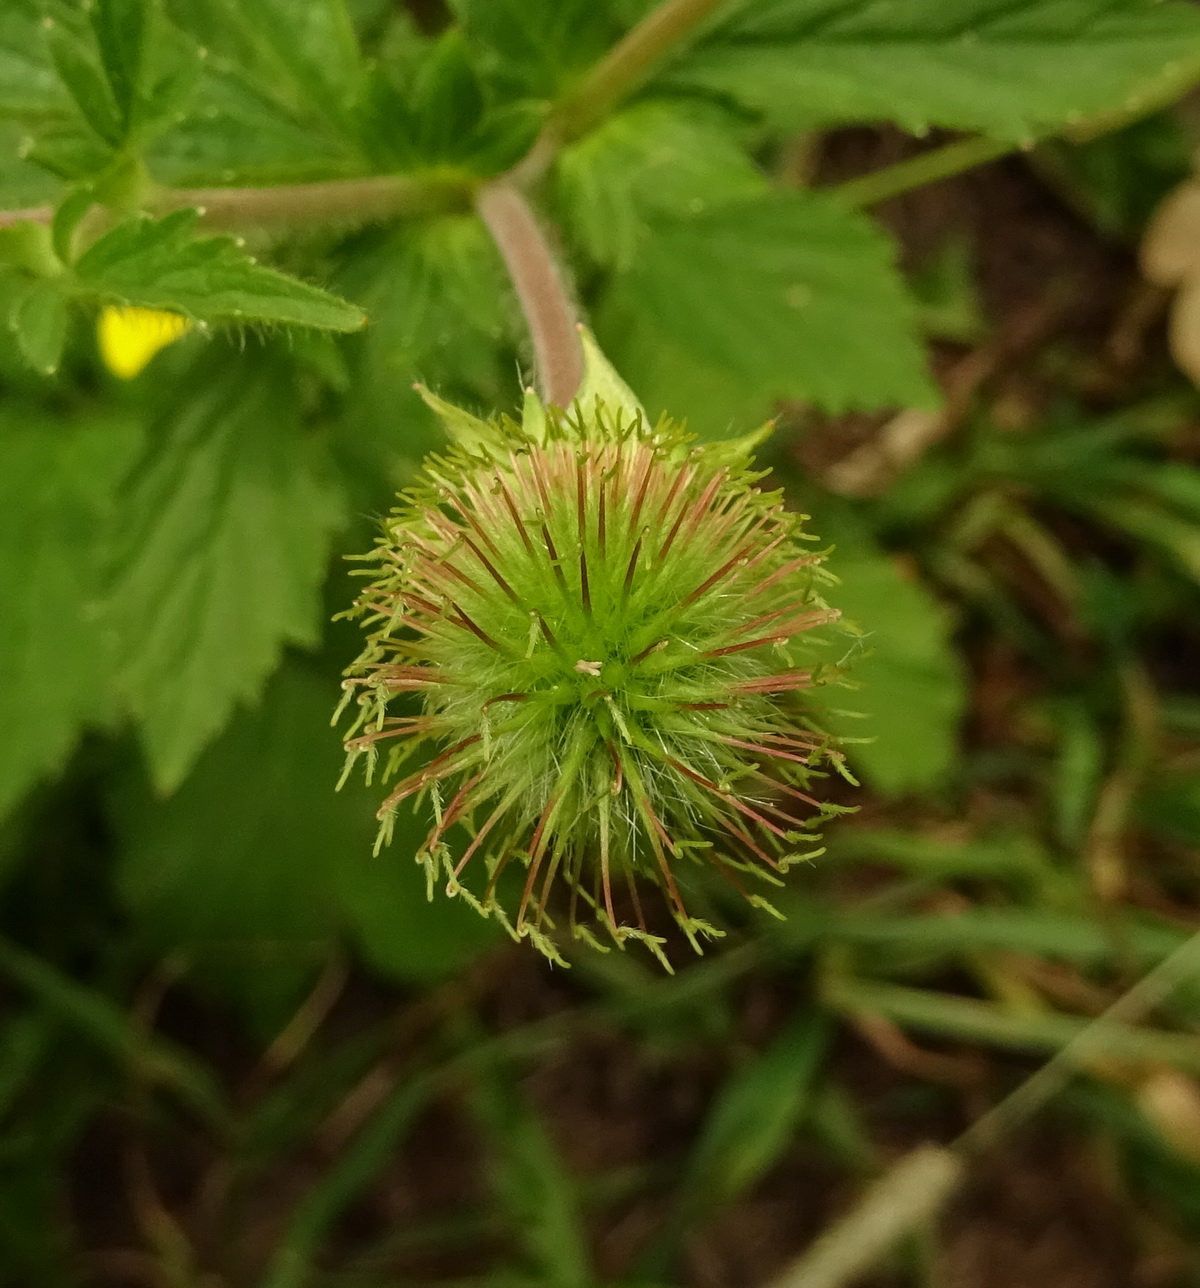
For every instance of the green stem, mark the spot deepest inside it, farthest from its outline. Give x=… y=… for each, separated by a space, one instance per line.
x=374 y=197
x=939 y=163
x=540 y=287
x=628 y=64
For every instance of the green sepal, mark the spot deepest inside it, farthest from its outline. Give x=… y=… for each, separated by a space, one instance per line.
x=601 y=384
x=464 y=429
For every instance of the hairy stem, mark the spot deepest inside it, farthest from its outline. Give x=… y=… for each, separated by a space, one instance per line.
x=540 y=288
x=375 y=197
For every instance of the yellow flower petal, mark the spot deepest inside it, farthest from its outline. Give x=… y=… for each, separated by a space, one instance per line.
x=130 y=337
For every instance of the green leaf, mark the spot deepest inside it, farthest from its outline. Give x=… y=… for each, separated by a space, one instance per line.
x=538 y=45
x=1170 y=806
x=120 y=27
x=224 y=543
x=57 y=483
x=301 y=54
x=530 y=1180
x=1012 y=68
x=158 y=264
x=256 y=864
x=78 y=64
x=397 y=929
x=236 y=132
x=40 y=322
x=783 y=296
x=750 y=1124
x=22 y=182
x=235 y=867
x=29 y=87
x=440 y=313
x=652 y=161
x=448 y=102
x=911 y=685
x=754 y=1116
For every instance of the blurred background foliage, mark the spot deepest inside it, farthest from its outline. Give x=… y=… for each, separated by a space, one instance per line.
x=236 y=1048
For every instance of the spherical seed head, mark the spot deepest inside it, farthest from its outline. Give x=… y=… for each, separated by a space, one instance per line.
x=609 y=631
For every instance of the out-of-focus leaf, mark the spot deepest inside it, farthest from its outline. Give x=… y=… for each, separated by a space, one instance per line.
x=256 y=865
x=537 y=45
x=783 y=296
x=532 y=1184
x=223 y=545
x=77 y=61
x=22 y=183
x=40 y=323
x=120 y=27
x=1080 y=764
x=448 y=99
x=235 y=132
x=383 y=900
x=1122 y=176
x=439 y=112
x=159 y=264
x=967 y=1019
x=1009 y=69
x=1170 y=806
x=127 y=68
x=911 y=685
x=654 y=160
x=235 y=868
x=440 y=314
x=754 y=1117
x=57 y=482
x=29 y=87
x=303 y=54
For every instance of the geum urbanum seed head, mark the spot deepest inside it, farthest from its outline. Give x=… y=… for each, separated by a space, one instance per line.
x=607 y=629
